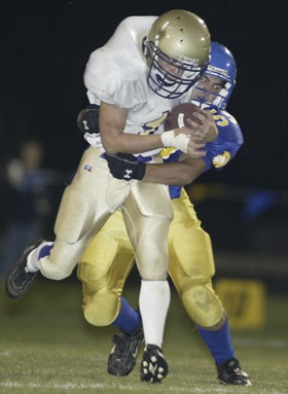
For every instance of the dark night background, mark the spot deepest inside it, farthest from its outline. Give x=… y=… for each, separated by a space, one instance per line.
x=44 y=49
x=45 y=45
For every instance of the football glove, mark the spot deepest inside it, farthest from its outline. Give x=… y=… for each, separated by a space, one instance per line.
x=125 y=166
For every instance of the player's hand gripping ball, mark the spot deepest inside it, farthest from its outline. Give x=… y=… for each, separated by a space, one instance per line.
x=180 y=114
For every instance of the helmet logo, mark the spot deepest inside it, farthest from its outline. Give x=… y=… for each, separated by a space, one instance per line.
x=217 y=70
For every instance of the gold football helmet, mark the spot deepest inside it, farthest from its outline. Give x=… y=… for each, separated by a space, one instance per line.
x=177 y=52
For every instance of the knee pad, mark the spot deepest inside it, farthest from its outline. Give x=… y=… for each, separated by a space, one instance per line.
x=153 y=271
x=202 y=305
x=102 y=308
x=52 y=270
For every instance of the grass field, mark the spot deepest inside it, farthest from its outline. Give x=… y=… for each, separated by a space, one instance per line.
x=46 y=346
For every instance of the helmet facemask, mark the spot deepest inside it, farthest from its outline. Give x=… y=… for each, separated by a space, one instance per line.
x=223 y=67
x=162 y=78
x=211 y=98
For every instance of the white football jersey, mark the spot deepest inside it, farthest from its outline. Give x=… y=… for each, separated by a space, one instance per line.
x=116 y=73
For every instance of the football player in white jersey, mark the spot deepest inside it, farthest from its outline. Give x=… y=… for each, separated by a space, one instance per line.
x=109 y=258
x=137 y=77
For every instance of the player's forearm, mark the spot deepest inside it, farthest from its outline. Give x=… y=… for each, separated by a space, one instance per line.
x=130 y=143
x=112 y=122
x=170 y=174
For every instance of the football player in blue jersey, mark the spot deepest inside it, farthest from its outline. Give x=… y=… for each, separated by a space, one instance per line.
x=104 y=267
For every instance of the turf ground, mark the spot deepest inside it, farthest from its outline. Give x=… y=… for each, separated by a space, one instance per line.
x=46 y=346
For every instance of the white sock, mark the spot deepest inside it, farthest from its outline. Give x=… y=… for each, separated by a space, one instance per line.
x=154 y=302
x=32 y=258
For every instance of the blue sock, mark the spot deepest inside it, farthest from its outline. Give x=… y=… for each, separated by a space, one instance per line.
x=44 y=251
x=219 y=343
x=128 y=318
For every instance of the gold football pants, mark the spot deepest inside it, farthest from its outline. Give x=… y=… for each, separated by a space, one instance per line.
x=107 y=262
x=90 y=200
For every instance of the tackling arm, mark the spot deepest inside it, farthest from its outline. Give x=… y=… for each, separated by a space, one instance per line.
x=179 y=173
x=125 y=166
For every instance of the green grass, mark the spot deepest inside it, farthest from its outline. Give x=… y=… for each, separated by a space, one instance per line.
x=46 y=346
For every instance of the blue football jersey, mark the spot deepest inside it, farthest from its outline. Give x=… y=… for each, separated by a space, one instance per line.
x=221 y=150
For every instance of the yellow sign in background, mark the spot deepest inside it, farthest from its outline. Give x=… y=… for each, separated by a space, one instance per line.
x=244 y=301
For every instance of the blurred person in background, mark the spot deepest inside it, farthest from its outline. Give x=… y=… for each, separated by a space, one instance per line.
x=28 y=199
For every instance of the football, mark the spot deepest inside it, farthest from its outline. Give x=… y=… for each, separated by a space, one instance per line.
x=179 y=115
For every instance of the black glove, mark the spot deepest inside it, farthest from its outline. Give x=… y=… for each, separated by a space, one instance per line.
x=87 y=119
x=125 y=166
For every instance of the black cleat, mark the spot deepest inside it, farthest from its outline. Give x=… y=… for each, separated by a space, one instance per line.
x=18 y=279
x=122 y=358
x=154 y=367
x=231 y=373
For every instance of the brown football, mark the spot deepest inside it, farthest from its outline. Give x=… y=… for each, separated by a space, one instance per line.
x=179 y=115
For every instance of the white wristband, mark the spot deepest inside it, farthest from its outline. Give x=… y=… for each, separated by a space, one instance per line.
x=180 y=142
x=94 y=140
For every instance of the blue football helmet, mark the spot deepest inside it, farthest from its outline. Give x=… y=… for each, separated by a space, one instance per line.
x=222 y=65
x=177 y=52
